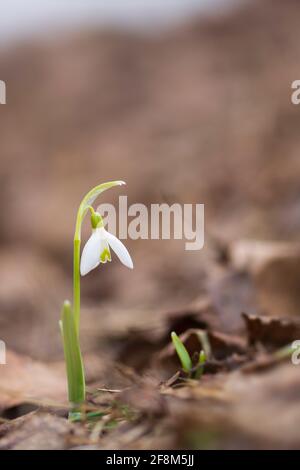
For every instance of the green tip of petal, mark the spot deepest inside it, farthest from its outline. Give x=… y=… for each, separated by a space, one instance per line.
x=105 y=255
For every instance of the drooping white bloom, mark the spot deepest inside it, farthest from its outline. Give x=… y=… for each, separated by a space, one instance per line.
x=97 y=250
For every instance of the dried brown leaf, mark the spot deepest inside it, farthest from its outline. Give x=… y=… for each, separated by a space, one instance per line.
x=271 y=332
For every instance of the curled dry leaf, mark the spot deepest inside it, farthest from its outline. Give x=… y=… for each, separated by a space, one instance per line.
x=224 y=345
x=270 y=331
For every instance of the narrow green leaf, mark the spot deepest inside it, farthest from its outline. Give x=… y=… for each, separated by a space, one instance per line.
x=200 y=366
x=74 y=364
x=202 y=357
x=204 y=340
x=182 y=352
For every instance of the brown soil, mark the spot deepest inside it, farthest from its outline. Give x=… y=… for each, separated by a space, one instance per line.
x=199 y=114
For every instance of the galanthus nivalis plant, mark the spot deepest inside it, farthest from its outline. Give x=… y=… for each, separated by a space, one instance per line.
x=95 y=251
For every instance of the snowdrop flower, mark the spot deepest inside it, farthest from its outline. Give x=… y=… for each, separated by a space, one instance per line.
x=97 y=248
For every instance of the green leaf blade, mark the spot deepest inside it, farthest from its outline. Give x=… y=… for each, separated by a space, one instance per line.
x=73 y=358
x=182 y=353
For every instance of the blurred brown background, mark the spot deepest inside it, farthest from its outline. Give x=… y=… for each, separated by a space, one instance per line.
x=197 y=113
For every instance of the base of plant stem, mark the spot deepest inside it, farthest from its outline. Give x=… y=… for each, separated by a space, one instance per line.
x=77 y=413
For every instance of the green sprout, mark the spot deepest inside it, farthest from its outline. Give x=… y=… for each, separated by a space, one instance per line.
x=185 y=359
x=200 y=366
x=96 y=251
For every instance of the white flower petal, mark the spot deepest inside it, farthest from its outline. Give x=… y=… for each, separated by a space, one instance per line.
x=120 y=250
x=90 y=257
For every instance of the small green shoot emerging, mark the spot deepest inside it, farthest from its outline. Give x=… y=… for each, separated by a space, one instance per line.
x=185 y=359
x=194 y=372
x=200 y=366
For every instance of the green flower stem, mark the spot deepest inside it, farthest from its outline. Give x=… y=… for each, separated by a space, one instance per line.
x=76 y=283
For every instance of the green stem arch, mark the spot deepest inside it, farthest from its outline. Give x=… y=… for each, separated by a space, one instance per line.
x=86 y=202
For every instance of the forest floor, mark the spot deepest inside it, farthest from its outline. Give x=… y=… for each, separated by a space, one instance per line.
x=199 y=114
